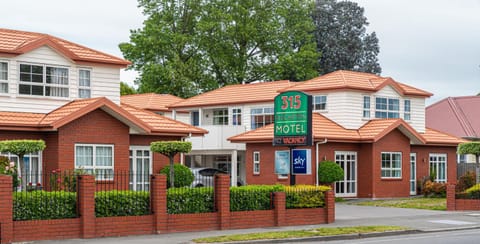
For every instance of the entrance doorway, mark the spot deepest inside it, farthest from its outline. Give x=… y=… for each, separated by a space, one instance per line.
x=413 y=174
x=140 y=168
x=348 y=162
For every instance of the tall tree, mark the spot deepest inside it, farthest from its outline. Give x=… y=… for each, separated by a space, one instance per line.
x=342 y=38
x=189 y=46
x=125 y=89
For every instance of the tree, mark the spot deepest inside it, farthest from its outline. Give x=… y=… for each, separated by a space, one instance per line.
x=21 y=148
x=170 y=149
x=342 y=39
x=125 y=89
x=471 y=148
x=188 y=46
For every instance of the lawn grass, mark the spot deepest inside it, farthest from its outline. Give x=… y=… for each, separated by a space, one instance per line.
x=330 y=231
x=415 y=202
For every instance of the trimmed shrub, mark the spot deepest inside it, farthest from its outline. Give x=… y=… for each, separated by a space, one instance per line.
x=434 y=189
x=466 y=181
x=329 y=172
x=38 y=205
x=182 y=175
x=305 y=196
x=190 y=200
x=253 y=197
x=122 y=203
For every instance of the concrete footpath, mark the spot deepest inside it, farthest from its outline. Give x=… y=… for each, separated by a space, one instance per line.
x=346 y=215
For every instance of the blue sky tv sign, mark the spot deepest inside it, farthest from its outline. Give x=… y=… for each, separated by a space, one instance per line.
x=301 y=161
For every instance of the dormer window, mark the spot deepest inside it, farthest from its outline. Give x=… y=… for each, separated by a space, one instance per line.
x=84 y=83
x=42 y=80
x=3 y=77
x=387 y=107
x=320 y=103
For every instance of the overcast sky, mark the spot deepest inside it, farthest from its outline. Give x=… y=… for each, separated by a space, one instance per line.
x=430 y=44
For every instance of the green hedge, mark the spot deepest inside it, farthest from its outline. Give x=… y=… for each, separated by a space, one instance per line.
x=37 y=205
x=305 y=196
x=190 y=200
x=252 y=197
x=122 y=203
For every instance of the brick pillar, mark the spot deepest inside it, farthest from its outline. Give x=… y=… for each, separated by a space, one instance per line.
x=330 y=206
x=6 y=209
x=451 y=206
x=158 y=196
x=222 y=200
x=279 y=203
x=86 y=205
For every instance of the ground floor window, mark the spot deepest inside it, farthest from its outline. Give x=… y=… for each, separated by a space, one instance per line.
x=31 y=168
x=392 y=165
x=256 y=163
x=438 y=167
x=140 y=168
x=95 y=159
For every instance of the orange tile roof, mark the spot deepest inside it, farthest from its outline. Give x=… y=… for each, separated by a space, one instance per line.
x=374 y=130
x=237 y=94
x=344 y=79
x=162 y=125
x=14 y=42
x=435 y=137
x=150 y=101
x=143 y=121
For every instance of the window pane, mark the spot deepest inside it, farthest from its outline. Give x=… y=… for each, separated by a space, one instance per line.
x=84 y=78
x=83 y=93
x=84 y=156
x=56 y=91
x=3 y=71
x=104 y=156
x=4 y=87
x=37 y=90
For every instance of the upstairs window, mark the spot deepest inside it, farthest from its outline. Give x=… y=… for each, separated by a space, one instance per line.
x=320 y=103
x=42 y=80
x=261 y=117
x=407 y=109
x=3 y=77
x=237 y=116
x=195 y=118
x=84 y=83
x=387 y=107
x=366 y=107
x=220 y=116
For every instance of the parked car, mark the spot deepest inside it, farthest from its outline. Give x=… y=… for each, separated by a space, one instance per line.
x=205 y=176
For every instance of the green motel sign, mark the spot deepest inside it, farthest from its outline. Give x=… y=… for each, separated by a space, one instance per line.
x=293 y=119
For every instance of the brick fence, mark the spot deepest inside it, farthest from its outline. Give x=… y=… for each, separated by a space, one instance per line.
x=454 y=204
x=89 y=226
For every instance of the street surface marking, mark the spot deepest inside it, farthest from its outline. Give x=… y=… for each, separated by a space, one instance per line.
x=451 y=222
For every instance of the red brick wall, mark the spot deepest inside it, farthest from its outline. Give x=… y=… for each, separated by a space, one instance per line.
x=123 y=226
x=96 y=127
x=365 y=171
x=193 y=222
x=46 y=229
x=395 y=141
x=423 y=161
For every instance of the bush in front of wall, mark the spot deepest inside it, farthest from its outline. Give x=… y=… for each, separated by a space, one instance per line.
x=253 y=197
x=183 y=176
x=466 y=181
x=122 y=203
x=305 y=196
x=434 y=189
x=190 y=200
x=42 y=205
x=329 y=172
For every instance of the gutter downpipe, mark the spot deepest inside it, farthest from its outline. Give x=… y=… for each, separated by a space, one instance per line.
x=316 y=158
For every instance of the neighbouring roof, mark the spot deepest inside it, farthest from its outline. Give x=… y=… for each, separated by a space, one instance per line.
x=459 y=116
x=14 y=42
x=237 y=94
x=344 y=79
x=372 y=131
x=151 y=101
x=140 y=120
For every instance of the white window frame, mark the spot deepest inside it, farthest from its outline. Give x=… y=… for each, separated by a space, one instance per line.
x=322 y=103
x=265 y=111
x=220 y=116
x=44 y=83
x=433 y=158
x=93 y=168
x=256 y=162
x=236 y=116
x=133 y=167
x=407 y=110
x=85 y=87
x=366 y=107
x=391 y=169
x=388 y=111
x=29 y=175
x=2 y=81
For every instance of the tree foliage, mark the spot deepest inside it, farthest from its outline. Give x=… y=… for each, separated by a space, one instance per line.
x=22 y=147
x=183 y=175
x=469 y=148
x=125 y=89
x=170 y=149
x=342 y=38
x=188 y=46
x=329 y=172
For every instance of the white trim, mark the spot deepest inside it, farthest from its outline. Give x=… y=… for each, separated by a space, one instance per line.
x=413 y=180
x=132 y=160
x=326 y=103
x=94 y=167
x=438 y=155
x=391 y=168
x=256 y=162
x=343 y=192
x=44 y=83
